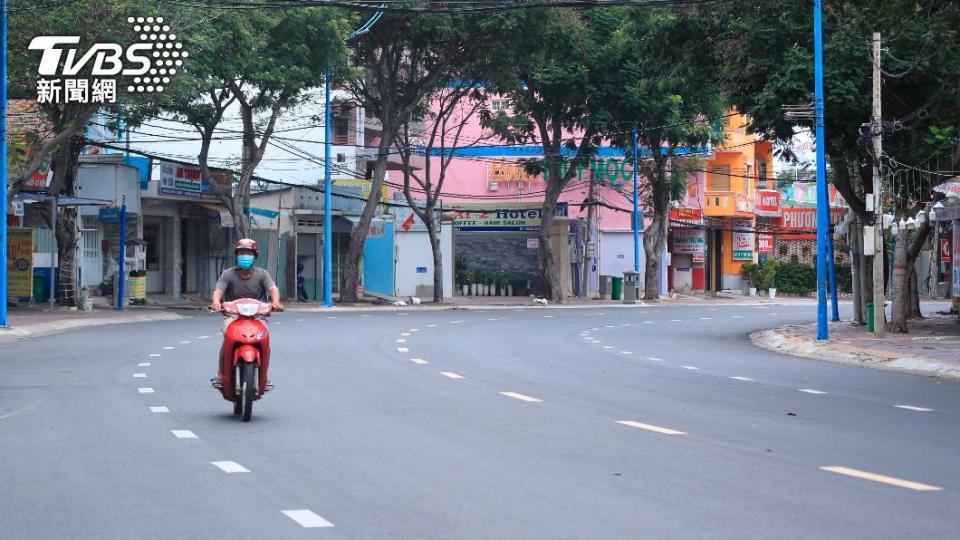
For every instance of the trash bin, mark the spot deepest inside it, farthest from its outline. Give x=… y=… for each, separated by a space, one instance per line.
x=870 y=325
x=606 y=287
x=617 y=288
x=631 y=287
x=39 y=287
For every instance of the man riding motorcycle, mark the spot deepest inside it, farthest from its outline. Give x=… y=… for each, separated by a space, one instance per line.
x=243 y=281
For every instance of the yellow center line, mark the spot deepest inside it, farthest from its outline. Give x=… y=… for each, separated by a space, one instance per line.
x=521 y=397
x=916 y=486
x=648 y=427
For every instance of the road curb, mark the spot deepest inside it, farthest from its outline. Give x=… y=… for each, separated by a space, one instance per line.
x=28 y=331
x=775 y=340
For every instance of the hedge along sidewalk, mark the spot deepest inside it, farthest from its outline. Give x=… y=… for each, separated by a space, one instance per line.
x=790 y=277
x=931 y=348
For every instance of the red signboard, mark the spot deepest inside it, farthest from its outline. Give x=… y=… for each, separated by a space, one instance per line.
x=944 y=250
x=801 y=223
x=768 y=203
x=765 y=243
x=686 y=214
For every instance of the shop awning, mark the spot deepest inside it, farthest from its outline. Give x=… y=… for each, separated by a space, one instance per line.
x=32 y=197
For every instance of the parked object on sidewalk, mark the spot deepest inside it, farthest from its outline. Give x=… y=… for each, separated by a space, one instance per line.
x=540 y=300
x=414 y=301
x=772 y=293
x=400 y=303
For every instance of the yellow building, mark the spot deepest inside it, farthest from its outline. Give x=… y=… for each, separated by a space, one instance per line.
x=740 y=167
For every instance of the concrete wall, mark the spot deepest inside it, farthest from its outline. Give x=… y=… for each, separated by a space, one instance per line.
x=616 y=253
x=413 y=254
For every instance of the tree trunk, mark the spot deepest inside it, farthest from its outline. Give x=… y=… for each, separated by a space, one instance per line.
x=437 y=258
x=655 y=238
x=855 y=240
x=900 y=295
x=351 y=270
x=67 y=256
x=553 y=288
x=914 y=295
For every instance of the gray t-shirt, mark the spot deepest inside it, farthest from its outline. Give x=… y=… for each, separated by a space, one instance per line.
x=235 y=287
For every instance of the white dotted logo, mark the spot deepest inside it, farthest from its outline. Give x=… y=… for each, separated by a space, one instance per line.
x=167 y=55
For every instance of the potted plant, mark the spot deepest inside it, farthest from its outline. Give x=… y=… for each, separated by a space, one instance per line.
x=766 y=277
x=750 y=272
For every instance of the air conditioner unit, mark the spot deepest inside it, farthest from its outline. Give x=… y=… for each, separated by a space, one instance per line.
x=493 y=186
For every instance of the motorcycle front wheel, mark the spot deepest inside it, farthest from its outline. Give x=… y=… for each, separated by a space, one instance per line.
x=247 y=389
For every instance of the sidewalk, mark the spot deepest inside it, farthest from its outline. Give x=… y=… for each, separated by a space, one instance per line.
x=36 y=321
x=931 y=348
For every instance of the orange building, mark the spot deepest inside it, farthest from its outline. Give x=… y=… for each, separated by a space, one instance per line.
x=740 y=167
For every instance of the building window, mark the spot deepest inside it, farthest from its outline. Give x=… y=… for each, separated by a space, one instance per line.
x=499 y=105
x=341 y=114
x=719 y=179
x=762 y=173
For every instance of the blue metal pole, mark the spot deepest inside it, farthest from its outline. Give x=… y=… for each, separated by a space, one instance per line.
x=834 y=308
x=636 y=207
x=122 y=276
x=327 y=217
x=3 y=162
x=823 y=200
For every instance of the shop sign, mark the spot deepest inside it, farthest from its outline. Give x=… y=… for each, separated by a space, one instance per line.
x=533 y=243
x=688 y=215
x=743 y=246
x=956 y=259
x=688 y=241
x=744 y=206
x=801 y=223
x=944 y=250
x=109 y=215
x=184 y=181
x=512 y=217
x=698 y=258
x=764 y=243
x=19 y=263
x=768 y=203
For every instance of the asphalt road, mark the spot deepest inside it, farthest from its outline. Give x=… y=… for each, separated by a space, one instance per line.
x=653 y=422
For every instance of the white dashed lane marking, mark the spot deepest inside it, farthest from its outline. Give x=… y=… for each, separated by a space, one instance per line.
x=654 y=359
x=183 y=434
x=420 y=361
x=145 y=390
x=159 y=409
x=405 y=334
x=432 y=325
x=913 y=408
x=745 y=379
x=143 y=364
x=155 y=355
x=139 y=375
x=521 y=397
x=649 y=427
x=810 y=391
x=414 y=329
x=626 y=352
x=307 y=519
x=675 y=320
x=451 y=375
x=185 y=342
x=202 y=337
x=403 y=349
x=607 y=347
x=647 y=322
x=401 y=341
x=229 y=466
x=916 y=486
x=169 y=348
x=692 y=368
x=704 y=318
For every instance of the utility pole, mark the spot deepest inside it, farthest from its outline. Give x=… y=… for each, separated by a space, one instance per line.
x=588 y=238
x=823 y=199
x=3 y=162
x=876 y=129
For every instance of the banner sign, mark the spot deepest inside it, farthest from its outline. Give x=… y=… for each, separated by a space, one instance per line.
x=944 y=250
x=694 y=216
x=19 y=263
x=768 y=203
x=764 y=243
x=505 y=217
x=688 y=241
x=743 y=246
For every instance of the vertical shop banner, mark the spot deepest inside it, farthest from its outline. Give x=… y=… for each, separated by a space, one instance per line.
x=944 y=250
x=19 y=263
x=743 y=246
x=956 y=258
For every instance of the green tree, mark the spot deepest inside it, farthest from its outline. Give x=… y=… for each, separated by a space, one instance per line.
x=671 y=99
x=400 y=61
x=552 y=74
x=267 y=62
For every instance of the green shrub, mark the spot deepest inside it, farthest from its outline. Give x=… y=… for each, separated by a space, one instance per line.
x=767 y=275
x=844 y=278
x=795 y=278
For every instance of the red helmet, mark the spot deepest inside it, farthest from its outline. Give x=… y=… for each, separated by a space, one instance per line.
x=246 y=243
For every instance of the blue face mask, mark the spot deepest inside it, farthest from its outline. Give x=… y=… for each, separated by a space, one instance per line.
x=245 y=262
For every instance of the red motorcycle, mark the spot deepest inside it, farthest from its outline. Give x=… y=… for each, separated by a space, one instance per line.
x=245 y=356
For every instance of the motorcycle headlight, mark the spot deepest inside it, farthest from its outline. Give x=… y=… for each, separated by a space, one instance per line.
x=247 y=310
